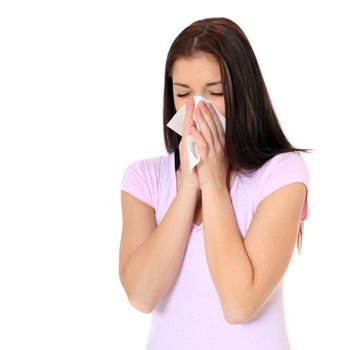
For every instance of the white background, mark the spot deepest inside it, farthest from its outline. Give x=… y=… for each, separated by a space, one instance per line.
x=81 y=86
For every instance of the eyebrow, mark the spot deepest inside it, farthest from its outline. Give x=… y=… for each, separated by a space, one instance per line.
x=208 y=84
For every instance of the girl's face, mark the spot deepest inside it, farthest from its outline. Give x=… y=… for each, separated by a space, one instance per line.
x=198 y=76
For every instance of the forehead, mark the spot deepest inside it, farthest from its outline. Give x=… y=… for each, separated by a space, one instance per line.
x=203 y=67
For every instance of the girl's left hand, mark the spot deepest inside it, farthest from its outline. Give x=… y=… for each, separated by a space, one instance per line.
x=210 y=140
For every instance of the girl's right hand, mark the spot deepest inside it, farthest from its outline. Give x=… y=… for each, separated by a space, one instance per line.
x=189 y=178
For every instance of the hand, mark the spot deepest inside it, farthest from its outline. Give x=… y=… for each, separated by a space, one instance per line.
x=189 y=178
x=210 y=140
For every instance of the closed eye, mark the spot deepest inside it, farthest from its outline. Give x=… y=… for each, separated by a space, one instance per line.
x=212 y=93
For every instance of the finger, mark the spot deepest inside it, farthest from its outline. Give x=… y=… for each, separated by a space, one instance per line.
x=219 y=128
x=209 y=118
x=201 y=142
x=202 y=114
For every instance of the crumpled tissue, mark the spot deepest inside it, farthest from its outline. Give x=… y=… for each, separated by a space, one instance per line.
x=176 y=123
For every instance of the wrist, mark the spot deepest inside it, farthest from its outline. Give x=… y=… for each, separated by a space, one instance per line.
x=215 y=189
x=189 y=190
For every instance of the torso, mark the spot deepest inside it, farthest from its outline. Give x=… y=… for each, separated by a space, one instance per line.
x=197 y=219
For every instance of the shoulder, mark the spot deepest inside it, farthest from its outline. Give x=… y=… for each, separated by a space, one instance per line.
x=282 y=169
x=292 y=157
x=141 y=178
x=147 y=166
x=285 y=164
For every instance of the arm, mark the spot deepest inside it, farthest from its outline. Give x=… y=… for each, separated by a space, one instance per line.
x=245 y=272
x=151 y=268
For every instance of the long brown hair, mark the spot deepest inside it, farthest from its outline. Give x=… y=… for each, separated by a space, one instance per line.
x=253 y=132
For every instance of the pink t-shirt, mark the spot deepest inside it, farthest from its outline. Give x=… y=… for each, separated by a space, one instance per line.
x=189 y=316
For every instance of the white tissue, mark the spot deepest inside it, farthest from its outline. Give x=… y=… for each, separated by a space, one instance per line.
x=176 y=123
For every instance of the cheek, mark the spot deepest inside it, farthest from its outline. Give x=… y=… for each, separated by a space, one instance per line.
x=178 y=103
x=223 y=109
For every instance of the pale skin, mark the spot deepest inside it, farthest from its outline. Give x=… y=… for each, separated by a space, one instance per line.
x=245 y=271
x=199 y=76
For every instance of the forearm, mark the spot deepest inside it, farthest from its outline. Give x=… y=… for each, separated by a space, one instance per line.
x=152 y=269
x=227 y=259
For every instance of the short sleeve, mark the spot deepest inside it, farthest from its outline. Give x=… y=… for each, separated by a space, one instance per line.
x=281 y=170
x=139 y=179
